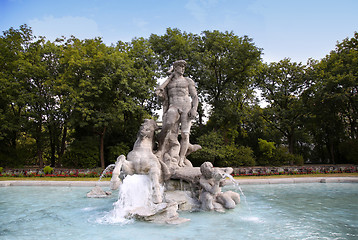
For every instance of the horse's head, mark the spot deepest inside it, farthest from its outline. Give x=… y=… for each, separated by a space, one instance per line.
x=147 y=129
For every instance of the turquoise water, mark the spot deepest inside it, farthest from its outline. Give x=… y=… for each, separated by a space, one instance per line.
x=281 y=211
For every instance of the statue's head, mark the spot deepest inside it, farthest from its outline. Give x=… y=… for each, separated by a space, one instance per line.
x=207 y=169
x=179 y=66
x=179 y=63
x=147 y=129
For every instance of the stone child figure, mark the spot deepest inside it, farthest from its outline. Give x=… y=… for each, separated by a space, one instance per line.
x=211 y=196
x=180 y=103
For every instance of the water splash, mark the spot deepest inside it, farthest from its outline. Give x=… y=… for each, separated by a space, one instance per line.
x=135 y=192
x=237 y=186
x=105 y=171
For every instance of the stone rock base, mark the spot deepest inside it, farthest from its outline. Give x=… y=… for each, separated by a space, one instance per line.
x=97 y=192
x=160 y=213
x=184 y=200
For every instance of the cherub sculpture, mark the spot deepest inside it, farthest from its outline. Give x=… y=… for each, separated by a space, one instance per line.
x=211 y=196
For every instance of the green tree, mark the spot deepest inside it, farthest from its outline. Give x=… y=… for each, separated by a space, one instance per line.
x=14 y=57
x=108 y=86
x=88 y=70
x=333 y=100
x=175 y=45
x=228 y=64
x=282 y=85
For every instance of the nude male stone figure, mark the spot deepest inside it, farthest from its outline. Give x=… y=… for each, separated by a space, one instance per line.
x=180 y=107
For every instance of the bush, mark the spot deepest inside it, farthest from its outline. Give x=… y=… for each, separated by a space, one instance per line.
x=349 y=150
x=298 y=160
x=280 y=157
x=23 y=154
x=283 y=157
x=1 y=169
x=266 y=148
x=266 y=153
x=48 y=170
x=82 y=154
x=213 y=149
x=272 y=156
x=237 y=156
x=117 y=150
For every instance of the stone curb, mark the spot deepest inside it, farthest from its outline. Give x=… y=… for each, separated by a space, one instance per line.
x=228 y=182
x=296 y=180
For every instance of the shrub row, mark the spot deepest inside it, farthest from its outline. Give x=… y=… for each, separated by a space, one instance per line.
x=269 y=171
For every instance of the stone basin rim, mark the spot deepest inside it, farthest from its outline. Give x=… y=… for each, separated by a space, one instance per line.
x=9 y=183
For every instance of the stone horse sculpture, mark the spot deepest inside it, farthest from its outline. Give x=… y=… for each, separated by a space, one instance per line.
x=141 y=160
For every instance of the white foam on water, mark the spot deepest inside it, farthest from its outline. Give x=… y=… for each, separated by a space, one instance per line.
x=87 y=209
x=135 y=192
x=252 y=219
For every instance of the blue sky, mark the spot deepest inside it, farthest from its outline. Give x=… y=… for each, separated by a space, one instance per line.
x=298 y=29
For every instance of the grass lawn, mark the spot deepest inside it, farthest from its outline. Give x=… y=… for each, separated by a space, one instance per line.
x=108 y=179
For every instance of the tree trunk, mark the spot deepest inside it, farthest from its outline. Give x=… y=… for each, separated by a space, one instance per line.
x=39 y=146
x=331 y=152
x=291 y=145
x=39 y=158
x=52 y=144
x=63 y=143
x=102 y=147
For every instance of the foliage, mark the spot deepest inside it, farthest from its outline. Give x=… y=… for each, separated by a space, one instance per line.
x=82 y=153
x=332 y=100
x=80 y=103
x=212 y=149
x=282 y=85
x=175 y=45
x=70 y=88
x=117 y=150
x=266 y=148
x=349 y=150
x=227 y=64
x=1 y=169
x=221 y=155
x=270 y=155
x=282 y=156
x=48 y=170
x=237 y=156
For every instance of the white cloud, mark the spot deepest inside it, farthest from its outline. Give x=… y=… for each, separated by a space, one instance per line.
x=53 y=28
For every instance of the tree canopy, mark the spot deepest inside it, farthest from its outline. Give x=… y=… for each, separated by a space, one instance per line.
x=79 y=103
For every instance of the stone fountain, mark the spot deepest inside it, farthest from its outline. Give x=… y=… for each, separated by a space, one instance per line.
x=172 y=183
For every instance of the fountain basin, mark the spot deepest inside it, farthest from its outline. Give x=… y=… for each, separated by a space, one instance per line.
x=275 y=211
